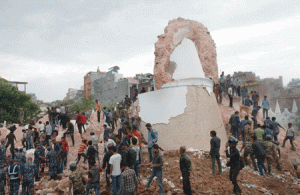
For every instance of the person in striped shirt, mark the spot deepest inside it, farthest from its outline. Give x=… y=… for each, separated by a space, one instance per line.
x=81 y=151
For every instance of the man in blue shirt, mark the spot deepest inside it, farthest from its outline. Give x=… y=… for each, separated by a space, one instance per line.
x=243 y=125
x=244 y=94
x=152 y=139
x=266 y=105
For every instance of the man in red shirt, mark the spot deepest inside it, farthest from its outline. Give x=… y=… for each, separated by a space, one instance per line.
x=79 y=122
x=65 y=150
x=83 y=120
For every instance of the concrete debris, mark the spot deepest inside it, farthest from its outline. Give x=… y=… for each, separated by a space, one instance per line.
x=250 y=186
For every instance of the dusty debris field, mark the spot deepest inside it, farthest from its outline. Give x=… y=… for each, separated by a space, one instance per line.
x=202 y=181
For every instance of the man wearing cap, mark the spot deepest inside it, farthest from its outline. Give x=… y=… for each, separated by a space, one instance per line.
x=37 y=161
x=21 y=158
x=247 y=146
x=52 y=160
x=156 y=166
x=152 y=139
x=15 y=177
x=58 y=151
x=2 y=153
x=270 y=152
x=28 y=176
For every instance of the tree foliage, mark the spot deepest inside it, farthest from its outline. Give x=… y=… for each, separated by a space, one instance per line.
x=11 y=100
x=84 y=106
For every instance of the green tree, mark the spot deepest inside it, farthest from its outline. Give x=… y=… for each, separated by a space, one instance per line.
x=11 y=100
x=84 y=106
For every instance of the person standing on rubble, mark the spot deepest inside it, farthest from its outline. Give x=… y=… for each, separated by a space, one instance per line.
x=247 y=147
x=235 y=124
x=244 y=92
x=52 y=163
x=215 y=144
x=156 y=166
x=243 y=125
x=2 y=153
x=28 y=177
x=230 y=95
x=185 y=168
x=275 y=128
x=266 y=105
x=254 y=115
x=76 y=180
x=277 y=155
x=234 y=163
x=152 y=139
x=270 y=152
x=98 y=108
x=259 y=150
x=290 y=135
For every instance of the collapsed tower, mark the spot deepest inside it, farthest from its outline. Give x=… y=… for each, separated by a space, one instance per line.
x=183 y=108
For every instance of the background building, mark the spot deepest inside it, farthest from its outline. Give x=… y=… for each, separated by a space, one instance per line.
x=112 y=87
x=89 y=85
x=33 y=97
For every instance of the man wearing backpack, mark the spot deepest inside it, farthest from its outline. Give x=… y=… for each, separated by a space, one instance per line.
x=128 y=156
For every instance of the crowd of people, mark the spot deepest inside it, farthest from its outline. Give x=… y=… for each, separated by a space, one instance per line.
x=121 y=160
x=122 y=150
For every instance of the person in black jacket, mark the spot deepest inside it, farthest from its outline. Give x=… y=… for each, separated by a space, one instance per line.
x=105 y=164
x=185 y=167
x=234 y=163
x=91 y=154
x=215 y=144
x=259 y=150
x=70 y=130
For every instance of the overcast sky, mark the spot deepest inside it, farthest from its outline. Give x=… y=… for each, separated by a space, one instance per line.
x=53 y=44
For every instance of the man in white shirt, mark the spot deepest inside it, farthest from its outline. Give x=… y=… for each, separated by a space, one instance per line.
x=41 y=126
x=48 y=132
x=62 y=109
x=230 y=95
x=108 y=141
x=290 y=134
x=115 y=170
